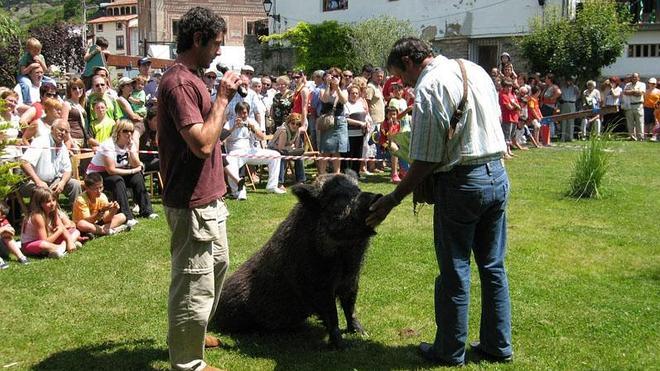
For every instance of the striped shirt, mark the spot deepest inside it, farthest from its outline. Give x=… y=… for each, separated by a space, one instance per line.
x=478 y=134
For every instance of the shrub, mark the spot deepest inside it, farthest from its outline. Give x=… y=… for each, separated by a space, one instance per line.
x=590 y=168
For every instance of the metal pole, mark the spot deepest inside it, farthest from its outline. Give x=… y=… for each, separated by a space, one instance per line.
x=84 y=26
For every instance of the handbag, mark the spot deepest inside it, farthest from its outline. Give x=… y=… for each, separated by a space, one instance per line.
x=327 y=120
x=425 y=190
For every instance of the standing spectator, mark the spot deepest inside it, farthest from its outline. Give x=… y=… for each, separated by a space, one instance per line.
x=471 y=191
x=388 y=129
x=30 y=60
x=94 y=57
x=510 y=110
x=569 y=96
x=282 y=101
x=367 y=70
x=211 y=81
x=194 y=184
x=534 y=113
x=255 y=85
x=505 y=59
x=120 y=167
x=73 y=111
x=508 y=73
x=549 y=99
x=633 y=93
x=251 y=98
x=300 y=99
x=358 y=124
x=591 y=100
x=47 y=164
x=315 y=105
x=376 y=103
x=651 y=99
x=611 y=95
x=387 y=88
x=334 y=140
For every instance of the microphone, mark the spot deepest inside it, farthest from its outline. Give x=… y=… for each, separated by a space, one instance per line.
x=222 y=68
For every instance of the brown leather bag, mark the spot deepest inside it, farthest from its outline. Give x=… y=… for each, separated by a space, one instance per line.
x=425 y=190
x=326 y=121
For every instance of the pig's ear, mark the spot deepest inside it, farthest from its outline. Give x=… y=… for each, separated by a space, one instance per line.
x=307 y=194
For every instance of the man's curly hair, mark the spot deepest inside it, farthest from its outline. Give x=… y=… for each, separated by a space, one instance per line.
x=201 y=20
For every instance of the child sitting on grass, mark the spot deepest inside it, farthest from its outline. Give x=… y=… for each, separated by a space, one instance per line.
x=43 y=232
x=7 y=244
x=93 y=213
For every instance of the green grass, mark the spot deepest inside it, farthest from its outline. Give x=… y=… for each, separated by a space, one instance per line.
x=584 y=279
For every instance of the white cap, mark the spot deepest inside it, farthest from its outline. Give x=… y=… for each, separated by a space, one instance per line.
x=214 y=70
x=652 y=80
x=247 y=67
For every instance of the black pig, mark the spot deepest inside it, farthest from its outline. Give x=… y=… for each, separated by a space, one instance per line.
x=313 y=258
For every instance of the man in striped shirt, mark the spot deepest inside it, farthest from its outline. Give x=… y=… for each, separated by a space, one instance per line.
x=470 y=192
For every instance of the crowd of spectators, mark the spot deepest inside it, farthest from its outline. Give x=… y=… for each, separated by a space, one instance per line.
x=364 y=113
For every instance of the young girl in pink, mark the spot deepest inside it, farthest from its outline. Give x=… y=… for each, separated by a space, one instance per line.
x=43 y=232
x=389 y=128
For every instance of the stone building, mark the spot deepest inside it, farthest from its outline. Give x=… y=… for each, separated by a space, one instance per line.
x=158 y=22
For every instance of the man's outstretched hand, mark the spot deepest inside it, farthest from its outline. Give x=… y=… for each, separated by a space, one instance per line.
x=380 y=209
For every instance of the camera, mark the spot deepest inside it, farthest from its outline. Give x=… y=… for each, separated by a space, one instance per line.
x=242 y=91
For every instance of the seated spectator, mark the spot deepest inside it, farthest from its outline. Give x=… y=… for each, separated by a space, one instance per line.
x=287 y=141
x=149 y=142
x=46 y=163
x=101 y=129
x=243 y=141
x=11 y=118
x=40 y=125
x=30 y=61
x=138 y=98
x=7 y=232
x=101 y=91
x=43 y=232
x=120 y=167
x=31 y=115
x=125 y=90
x=73 y=111
x=93 y=213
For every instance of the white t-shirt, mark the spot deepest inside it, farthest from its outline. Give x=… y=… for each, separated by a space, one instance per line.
x=48 y=163
x=35 y=96
x=108 y=148
x=351 y=108
x=241 y=138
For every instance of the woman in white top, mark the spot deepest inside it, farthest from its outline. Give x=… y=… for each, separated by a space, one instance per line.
x=358 y=119
x=611 y=96
x=10 y=116
x=120 y=168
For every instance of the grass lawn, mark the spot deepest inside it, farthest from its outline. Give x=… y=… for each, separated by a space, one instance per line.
x=584 y=279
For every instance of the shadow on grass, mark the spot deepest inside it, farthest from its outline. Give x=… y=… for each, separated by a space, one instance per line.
x=128 y=355
x=306 y=348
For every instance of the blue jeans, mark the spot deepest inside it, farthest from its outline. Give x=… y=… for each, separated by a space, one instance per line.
x=470 y=215
x=299 y=170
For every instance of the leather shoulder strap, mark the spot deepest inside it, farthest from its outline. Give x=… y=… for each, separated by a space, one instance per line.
x=458 y=113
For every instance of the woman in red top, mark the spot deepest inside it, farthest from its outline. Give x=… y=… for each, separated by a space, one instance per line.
x=300 y=98
x=510 y=108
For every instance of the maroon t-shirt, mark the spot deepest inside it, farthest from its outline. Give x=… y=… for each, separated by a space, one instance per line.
x=188 y=180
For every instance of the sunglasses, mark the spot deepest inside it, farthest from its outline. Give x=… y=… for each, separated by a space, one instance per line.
x=99 y=85
x=125 y=131
x=50 y=95
x=348 y=76
x=212 y=77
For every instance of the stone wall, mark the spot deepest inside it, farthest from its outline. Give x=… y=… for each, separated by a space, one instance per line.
x=268 y=59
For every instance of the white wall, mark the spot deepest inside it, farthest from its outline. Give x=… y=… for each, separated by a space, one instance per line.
x=645 y=66
x=483 y=18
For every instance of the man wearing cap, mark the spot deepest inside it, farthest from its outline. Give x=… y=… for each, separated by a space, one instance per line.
x=211 y=81
x=633 y=92
x=247 y=70
x=569 y=95
x=150 y=88
x=651 y=98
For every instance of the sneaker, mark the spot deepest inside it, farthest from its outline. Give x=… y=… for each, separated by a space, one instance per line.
x=131 y=223
x=136 y=209
x=152 y=216
x=242 y=194
x=654 y=139
x=24 y=261
x=57 y=254
x=3 y=264
x=277 y=191
x=119 y=229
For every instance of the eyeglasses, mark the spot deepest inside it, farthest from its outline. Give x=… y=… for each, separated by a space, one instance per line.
x=212 y=77
x=348 y=76
x=337 y=76
x=125 y=131
x=78 y=88
x=266 y=85
x=50 y=95
x=99 y=85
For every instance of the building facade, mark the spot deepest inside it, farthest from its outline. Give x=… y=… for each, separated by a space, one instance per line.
x=119 y=26
x=158 y=21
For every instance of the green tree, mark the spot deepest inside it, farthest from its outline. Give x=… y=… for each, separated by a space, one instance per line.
x=10 y=48
x=318 y=46
x=373 y=39
x=580 y=46
x=8 y=179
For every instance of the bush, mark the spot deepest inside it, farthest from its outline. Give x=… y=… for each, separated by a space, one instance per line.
x=590 y=168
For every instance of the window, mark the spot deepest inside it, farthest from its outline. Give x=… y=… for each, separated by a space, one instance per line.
x=643 y=50
x=175 y=28
x=330 y=5
x=120 y=42
x=99 y=27
x=120 y=26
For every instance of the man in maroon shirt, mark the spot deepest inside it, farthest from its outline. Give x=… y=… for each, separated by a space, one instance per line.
x=190 y=131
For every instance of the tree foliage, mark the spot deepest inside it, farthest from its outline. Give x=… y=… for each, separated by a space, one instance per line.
x=10 y=47
x=8 y=179
x=580 y=46
x=62 y=45
x=318 y=46
x=330 y=43
x=373 y=39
